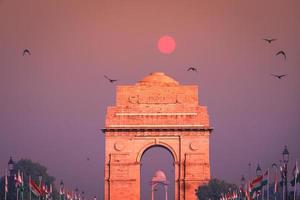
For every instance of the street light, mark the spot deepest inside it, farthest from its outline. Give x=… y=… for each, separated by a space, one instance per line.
x=243 y=185
x=258 y=170
x=285 y=158
x=285 y=155
x=243 y=180
x=61 y=190
x=61 y=186
x=11 y=165
x=76 y=193
x=82 y=194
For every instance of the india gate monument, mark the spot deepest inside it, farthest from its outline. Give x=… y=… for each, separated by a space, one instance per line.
x=156 y=111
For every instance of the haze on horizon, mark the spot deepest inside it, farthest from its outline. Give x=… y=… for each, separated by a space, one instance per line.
x=53 y=103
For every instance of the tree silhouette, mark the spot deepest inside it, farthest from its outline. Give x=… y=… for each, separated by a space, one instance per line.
x=28 y=168
x=214 y=189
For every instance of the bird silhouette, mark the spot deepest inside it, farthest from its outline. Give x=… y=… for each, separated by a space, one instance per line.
x=281 y=52
x=279 y=76
x=88 y=159
x=192 y=69
x=269 y=40
x=110 y=80
x=26 y=51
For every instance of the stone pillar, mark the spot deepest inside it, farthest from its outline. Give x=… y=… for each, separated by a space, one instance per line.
x=166 y=192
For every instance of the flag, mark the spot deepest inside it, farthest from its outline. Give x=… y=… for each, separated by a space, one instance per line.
x=50 y=190
x=21 y=178
x=265 y=178
x=275 y=182
x=228 y=196
x=36 y=190
x=222 y=197
x=6 y=183
x=231 y=196
x=44 y=189
x=18 y=179
x=255 y=185
x=296 y=175
x=62 y=193
x=247 y=192
x=235 y=195
x=69 y=195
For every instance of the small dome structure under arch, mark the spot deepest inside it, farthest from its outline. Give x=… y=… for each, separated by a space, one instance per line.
x=159 y=176
x=159 y=179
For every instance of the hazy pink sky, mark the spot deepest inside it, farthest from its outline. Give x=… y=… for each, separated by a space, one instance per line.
x=53 y=103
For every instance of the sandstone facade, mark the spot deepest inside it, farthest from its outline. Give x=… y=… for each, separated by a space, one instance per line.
x=156 y=111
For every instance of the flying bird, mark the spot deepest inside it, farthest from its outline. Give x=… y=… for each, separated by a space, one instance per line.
x=279 y=76
x=281 y=52
x=88 y=159
x=269 y=40
x=192 y=69
x=110 y=80
x=26 y=51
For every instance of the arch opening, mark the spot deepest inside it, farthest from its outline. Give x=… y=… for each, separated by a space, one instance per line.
x=154 y=158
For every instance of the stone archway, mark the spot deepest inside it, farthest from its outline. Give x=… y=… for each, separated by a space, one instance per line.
x=155 y=159
x=156 y=111
x=153 y=144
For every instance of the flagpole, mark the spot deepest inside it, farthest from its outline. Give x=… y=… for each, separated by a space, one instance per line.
x=268 y=186
x=6 y=185
x=295 y=188
x=40 y=184
x=29 y=180
x=262 y=193
x=275 y=186
x=263 y=188
x=296 y=176
x=282 y=177
x=17 y=186
x=22 y=187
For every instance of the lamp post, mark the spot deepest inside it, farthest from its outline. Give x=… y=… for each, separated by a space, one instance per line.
x=82 y=195
x=249 y=168
x=76 y=193
x=285 y=158
x=258 y=170
x=243 y=185
x=258 y=173
x=61 y=190
x=11 y=165
x=11 y=173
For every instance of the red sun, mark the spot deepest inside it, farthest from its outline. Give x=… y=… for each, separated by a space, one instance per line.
x=166 y=44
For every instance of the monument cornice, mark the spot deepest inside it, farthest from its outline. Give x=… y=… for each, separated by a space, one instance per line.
x=158 y=129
